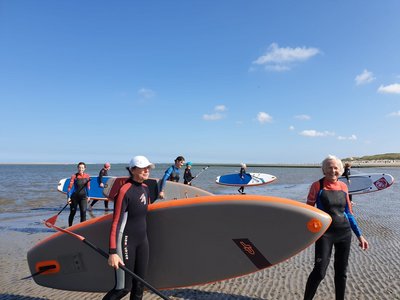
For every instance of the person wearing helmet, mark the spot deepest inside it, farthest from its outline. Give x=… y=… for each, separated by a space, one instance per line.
x=128 y=243
x=103 y=172
x=187 y=175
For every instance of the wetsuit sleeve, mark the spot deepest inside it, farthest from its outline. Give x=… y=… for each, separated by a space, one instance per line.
x=348 y=212
x=313 y=193
x=87 y=187
x=167 y=174
x=120 y=206
x=100 y=178
x=71 y=187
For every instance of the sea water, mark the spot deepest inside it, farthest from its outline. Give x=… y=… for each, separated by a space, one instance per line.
x=29 y=195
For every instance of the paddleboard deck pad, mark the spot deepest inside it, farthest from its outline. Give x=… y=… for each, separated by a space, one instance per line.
x=367 y=183
x=249 y=179
x=95 y=192
x=192 y=241
x=172 y=190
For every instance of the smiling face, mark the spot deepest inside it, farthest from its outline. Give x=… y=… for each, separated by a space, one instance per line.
x=179 y=163
x=332 y=170
x=140 y=174
x=81 y=168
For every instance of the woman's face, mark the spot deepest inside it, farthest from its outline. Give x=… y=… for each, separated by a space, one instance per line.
x=179 y=163
x=81 y=169
x=140 y=174
x=331 y=170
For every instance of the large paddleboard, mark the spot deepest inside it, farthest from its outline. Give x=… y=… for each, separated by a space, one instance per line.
x=172 y=190
x=249 y=179
x=192 y=241
x=367 y=183
x=95 y=192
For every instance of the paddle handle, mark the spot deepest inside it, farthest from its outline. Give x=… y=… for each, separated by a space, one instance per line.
x=148 y=285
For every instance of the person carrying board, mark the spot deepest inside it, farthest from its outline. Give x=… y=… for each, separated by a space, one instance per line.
x=129 y=245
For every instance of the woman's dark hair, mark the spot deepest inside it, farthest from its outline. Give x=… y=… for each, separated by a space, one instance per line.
x=180 y=158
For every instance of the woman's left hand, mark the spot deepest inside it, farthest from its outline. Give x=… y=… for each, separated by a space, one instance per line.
x=363 y=243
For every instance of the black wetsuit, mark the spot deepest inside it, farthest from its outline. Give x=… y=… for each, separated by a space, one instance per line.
x=242 y=173
x=128 y=238
x=103 y=172
x=187 y=176
x=332 y=198
x=78 y=191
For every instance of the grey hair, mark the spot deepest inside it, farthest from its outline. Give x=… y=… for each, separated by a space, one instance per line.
x=329 y=158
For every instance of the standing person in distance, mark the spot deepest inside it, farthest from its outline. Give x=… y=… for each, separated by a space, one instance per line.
x=171 y=174
x=103 y=172
x=331 y=195
x=129 y=245
x=242 y=174
x=347 y=173
x=78 y=193
x=187 y=175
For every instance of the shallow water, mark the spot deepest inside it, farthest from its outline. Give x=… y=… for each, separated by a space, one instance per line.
x=28 y=193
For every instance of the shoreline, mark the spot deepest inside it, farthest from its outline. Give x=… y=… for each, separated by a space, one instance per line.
x=355 y=164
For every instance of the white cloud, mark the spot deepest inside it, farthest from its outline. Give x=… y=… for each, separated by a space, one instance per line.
x=213 y=117
x=263 y=117
x=217 y=115
x=291 y=127
x=281 y=59
x=302 y=117
x=390 y=89
x=146 y=93
x=364 y=78
x=353 y=137
x=394 y=114
x=314 y=133
x=220 y=108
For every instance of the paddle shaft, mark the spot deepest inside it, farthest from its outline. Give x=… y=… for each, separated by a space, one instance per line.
x=106 y=255
x=205 y=168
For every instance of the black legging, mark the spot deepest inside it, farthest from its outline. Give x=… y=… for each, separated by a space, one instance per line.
x=75 y=201
x=125 y=283
x=323 y=252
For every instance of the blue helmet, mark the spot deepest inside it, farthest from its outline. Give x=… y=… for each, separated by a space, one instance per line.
x=189 y=163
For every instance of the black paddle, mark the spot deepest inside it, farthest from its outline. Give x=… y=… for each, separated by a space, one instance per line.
x=105 y=255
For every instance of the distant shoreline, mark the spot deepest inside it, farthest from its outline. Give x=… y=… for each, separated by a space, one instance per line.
x=355 y=164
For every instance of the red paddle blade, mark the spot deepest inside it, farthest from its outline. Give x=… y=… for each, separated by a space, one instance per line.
x=51 y=221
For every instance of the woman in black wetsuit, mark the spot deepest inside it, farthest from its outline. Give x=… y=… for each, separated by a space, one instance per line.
x=78 y=193
x=331 y=195
x=128 y=236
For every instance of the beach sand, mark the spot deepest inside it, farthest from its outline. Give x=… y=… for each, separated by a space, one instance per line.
x=373 y=274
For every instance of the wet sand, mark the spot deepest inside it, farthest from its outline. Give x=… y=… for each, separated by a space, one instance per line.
x=373 y=274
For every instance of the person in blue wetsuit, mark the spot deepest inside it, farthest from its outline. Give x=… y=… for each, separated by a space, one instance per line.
x=331 y=195
x=171 y=174
x=103 y=172
x=78 y=193
x=129 y=245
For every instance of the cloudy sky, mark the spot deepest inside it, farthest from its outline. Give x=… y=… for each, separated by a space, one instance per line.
x=215 y=81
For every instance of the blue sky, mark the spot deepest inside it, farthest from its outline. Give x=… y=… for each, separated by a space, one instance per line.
x=215 y=81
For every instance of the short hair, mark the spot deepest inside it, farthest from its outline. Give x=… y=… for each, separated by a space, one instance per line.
x=81 y=163
x=338 y=162
x=180 y=158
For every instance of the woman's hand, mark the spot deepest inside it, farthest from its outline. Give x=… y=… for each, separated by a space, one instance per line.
x=363 y=243
x=114 y=261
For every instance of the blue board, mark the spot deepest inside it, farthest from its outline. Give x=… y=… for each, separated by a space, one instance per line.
x=95 y=192
x=249 y=179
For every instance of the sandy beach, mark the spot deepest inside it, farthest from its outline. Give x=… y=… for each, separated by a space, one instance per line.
x=372 y=274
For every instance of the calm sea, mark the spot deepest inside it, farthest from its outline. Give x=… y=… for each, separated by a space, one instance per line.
x=28 y=193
